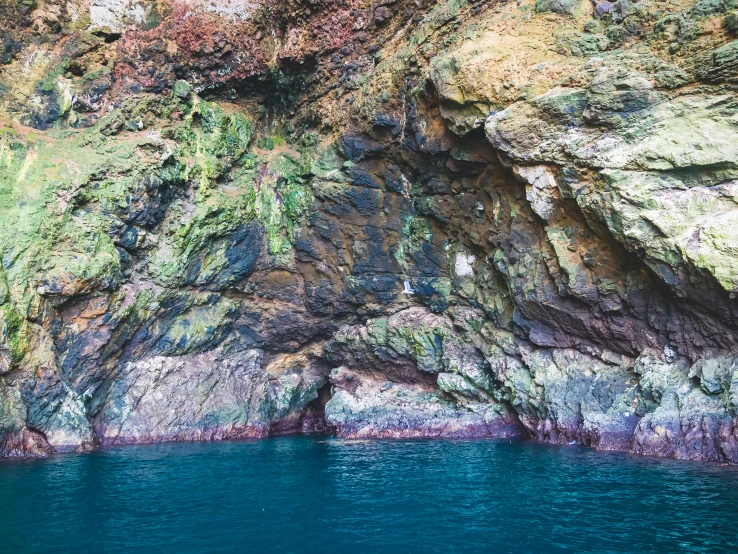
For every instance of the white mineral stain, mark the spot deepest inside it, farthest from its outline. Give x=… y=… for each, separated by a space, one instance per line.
x=464 y=265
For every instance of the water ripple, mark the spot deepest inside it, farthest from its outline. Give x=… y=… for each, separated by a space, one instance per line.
x=302 y=494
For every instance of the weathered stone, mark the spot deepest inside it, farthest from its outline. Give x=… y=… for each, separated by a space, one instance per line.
x=181 y=88
x=407 y=219
x=361 y=409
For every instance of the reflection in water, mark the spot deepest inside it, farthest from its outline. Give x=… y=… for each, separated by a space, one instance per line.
x=303 y=494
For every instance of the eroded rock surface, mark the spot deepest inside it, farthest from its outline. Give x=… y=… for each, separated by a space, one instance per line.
x=462 y=218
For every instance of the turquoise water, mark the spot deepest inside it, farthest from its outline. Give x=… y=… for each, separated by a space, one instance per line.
x=306 y=494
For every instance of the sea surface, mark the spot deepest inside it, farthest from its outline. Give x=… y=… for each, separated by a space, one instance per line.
x=322 y=495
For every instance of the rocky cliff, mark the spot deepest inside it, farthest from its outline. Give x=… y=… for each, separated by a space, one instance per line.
x=376 y=218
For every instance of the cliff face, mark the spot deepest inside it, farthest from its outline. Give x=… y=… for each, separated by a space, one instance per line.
x=390 y=218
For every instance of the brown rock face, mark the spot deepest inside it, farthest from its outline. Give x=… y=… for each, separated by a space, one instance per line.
x=463 y=218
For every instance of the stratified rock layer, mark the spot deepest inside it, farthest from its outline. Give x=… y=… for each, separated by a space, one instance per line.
x=463 y=218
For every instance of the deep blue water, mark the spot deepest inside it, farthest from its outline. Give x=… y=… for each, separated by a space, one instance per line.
x=307 y=494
